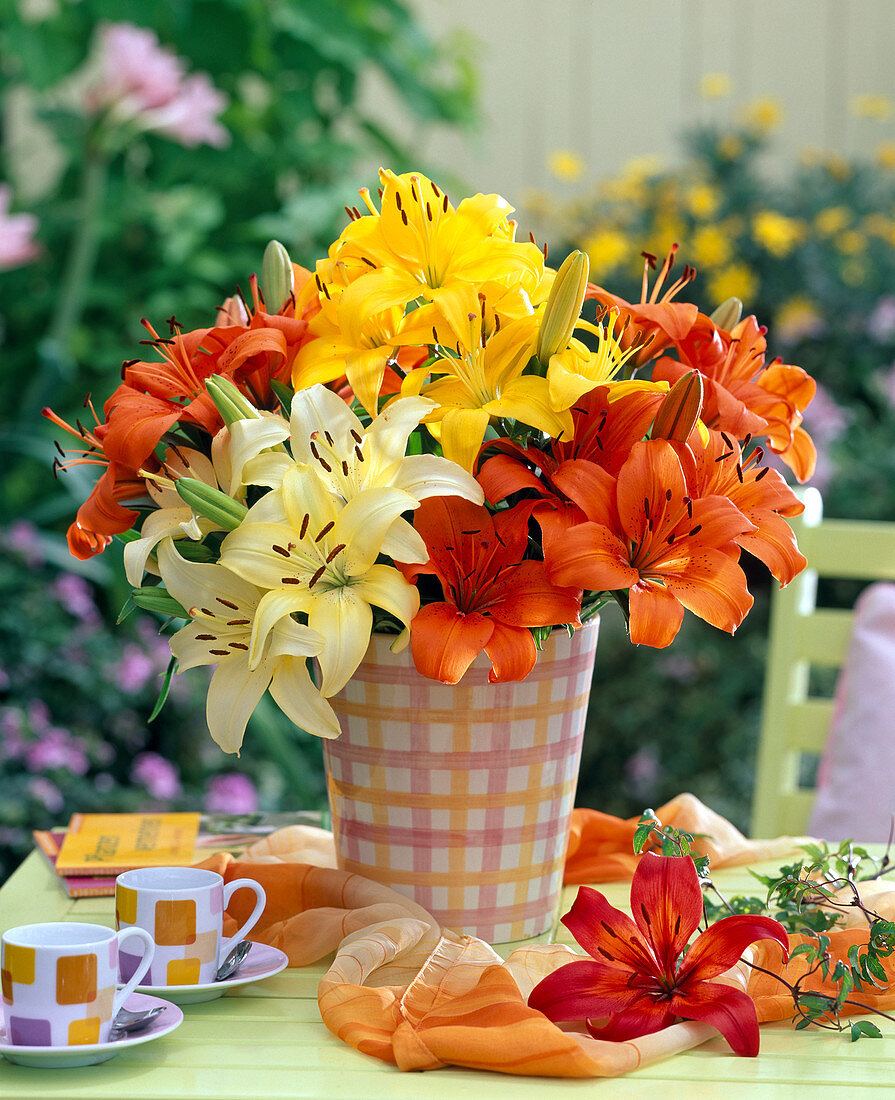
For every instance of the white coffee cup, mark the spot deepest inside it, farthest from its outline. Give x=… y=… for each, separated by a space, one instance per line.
x=59 y=981
x=182 y=909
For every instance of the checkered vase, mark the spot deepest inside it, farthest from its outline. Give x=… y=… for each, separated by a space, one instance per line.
x=460 y=797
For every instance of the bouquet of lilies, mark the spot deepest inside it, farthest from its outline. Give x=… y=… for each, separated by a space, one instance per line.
x=425 y=437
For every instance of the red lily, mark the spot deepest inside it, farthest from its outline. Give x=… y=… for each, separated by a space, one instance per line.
x=491 y=596
x=645 y=533
x=653 y=323
x=639 y=980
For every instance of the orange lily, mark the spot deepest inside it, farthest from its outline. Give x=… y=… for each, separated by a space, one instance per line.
x=102 y=514
x=652 y=324
x=743 y=396
x=491 y=596
x=638 y=979
x=761 y=495
x=646 y=534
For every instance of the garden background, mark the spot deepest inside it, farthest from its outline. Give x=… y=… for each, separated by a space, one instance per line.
x=613 y=127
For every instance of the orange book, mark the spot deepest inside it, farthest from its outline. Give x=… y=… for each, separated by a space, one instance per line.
x=106 y=844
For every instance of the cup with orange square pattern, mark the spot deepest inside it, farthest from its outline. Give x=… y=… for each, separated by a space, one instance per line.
x=182 y=909
x=59 y=978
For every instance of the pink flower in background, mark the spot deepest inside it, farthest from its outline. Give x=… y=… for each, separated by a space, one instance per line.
x=134 y=671
x=41 y=789
x=17 y=244
x=136 y=79
x=190 y=116
x=22 y=538
x=231 y=794
x=157 y=775
x=881 y=322
x=76 y=596
x=57 y=749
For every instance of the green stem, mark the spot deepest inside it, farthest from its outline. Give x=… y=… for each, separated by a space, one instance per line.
x=55 y=350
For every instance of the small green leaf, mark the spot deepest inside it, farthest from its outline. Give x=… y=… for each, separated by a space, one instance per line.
x=165 y=688
x=865 y=1027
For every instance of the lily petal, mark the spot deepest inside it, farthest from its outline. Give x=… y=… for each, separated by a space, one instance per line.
x=233 y=694
x=346 y=622
x=730 y=1010
x=294 y=693
x=445 y=642
x=666 y=902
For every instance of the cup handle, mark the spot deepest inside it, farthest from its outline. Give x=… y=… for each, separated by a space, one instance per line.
x=229 y=890
x=148 y=951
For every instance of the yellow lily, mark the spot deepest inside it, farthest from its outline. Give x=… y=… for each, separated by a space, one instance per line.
x=419 y=246
x=223 y=608
x=576 y=369
x=484 y=380
x=316 y=555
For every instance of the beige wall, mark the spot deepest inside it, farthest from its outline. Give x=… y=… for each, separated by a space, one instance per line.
x=616 y=79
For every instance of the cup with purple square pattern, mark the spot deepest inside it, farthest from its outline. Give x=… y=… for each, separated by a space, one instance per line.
x=59 y=978
x=182 y=908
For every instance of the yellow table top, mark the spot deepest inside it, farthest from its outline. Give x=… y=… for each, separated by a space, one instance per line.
x=267 y=1040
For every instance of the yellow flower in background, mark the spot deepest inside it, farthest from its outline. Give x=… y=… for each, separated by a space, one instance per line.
x=797 y=318
x=851 y=242
x=854 y=272
x=702 y=200
x=606 y=249
x=710 y=246
x=735 y=281
x=777 y=233
x=837 y=166
x=763 y=114
x=715 y=86
x=666 y=232
x=730 y=147
x=832 y=220
x=642 y=167
x=878 y=225
x=873 y=106
x=566 y=165
x=885 y=154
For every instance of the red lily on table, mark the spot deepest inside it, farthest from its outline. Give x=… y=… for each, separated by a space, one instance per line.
x=639 y=980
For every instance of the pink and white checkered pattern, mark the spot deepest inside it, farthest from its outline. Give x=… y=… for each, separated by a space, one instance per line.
x=460 y=796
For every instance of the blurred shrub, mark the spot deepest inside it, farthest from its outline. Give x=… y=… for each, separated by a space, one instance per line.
x=142 y=171
x=812 y=254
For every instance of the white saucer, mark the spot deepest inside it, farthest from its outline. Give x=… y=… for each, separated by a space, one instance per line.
x=90 y=1054
x=261 y=962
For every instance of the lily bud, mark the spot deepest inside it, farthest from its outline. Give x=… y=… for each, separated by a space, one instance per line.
x=155 y=598
x=563 y=306
x=222 y=510
x=680 y=410
x=727 y=314
x=277 y=280
x=229 y=401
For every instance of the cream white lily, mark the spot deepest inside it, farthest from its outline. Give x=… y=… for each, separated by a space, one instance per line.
x=350 y=458
x=173 y=518
x=223 y=609
x=317 y=555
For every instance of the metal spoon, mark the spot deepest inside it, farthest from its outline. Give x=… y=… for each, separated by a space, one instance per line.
x=233 y=961
x=127 y=1021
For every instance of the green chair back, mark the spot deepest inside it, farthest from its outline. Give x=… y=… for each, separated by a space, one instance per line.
x=804 y=636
